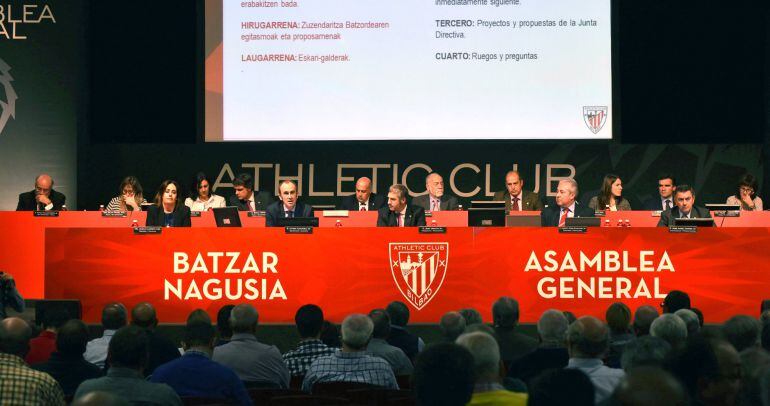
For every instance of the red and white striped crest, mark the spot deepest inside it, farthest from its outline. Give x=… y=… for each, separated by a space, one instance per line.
x=595 y=117
x=419 y=269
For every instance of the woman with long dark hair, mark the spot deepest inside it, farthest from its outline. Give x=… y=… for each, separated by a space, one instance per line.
x=610 y=198
x=201 y=198
x=747 y=194
x=168 y=211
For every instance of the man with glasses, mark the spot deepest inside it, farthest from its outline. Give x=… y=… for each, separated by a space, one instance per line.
x=43 y=197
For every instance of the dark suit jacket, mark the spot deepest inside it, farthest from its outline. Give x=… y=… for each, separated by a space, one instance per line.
x=667 y=215
x=155 y=216
x=550 y=215
x=531 y=365
x=415 y=216
x=448 y=202
x=69 y=371
x=261 y=201
x=376 y=202
x=275 y=210
x=656 y=204
x=514 y=345
x=529 y=200
x=27 y=201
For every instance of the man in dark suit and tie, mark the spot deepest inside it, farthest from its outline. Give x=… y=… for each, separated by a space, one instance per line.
x=665 y=200
x=684 y=198
x=436 y=199
x=42 y=198
x=517 y=199
x=246 y=198
x=566 y=206
x=398 y=213
x=287 y=205
x=364 y=199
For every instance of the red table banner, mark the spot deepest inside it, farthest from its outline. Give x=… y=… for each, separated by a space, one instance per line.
x=346 y=270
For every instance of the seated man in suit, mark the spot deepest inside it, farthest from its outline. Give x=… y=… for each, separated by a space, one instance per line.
x=397 y=213
x=666 y=189
x=364 y=199
x=566 y=206
x=684 y=197
x=246 y=198
x=515 y=197
x=435 y=200
x=287 y=205
x=42 y=198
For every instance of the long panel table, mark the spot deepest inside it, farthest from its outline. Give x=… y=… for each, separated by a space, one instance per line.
x=356 y=269
x=22 y=250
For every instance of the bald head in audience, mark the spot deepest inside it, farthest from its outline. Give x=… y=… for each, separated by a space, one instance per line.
x=244 y=319
x=14 y=336
x=587 y=337
x=143 y=315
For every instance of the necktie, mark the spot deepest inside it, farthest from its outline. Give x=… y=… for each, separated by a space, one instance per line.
x=668 y=205
x=362 y=207
x=399 y=222
x=515 y=203
x=251 y=206
x=290 y=214
x=434 y=205
x=563 y=218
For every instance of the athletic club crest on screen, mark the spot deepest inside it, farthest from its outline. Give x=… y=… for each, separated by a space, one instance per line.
x=8 y=102
x=419 y=269
x=595 y=117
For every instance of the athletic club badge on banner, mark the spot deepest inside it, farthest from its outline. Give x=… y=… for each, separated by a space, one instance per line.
x=595 y=117
x=419 y=270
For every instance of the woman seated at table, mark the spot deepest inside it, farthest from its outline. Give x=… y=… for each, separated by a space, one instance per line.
x=747 y=194
x=610 y=198
x=168 y=211
x=130 y=198
x=201 y=192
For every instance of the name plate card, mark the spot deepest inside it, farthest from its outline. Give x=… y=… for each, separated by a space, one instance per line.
x=43 y=213
x=573 y=230
x=256 y=214
x=683 y=229
x=195 y=214
x=298 y=230
x=113 y=214
x=432 y=230
x=148 y=230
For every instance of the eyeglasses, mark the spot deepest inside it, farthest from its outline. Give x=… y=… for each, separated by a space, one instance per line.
x=747 y=189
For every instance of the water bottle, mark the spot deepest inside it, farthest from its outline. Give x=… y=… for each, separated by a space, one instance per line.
x=459 y=207
x=338 y=223
x=101 y=207
x=64 y=207
x=134 y=223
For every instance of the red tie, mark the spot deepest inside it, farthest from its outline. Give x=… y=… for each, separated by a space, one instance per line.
x=515 y=203
x=563 y=219
x=400 y=224
x=363 y=208
x=251 y=206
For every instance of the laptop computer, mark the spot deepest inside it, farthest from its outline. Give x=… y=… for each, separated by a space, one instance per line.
x=227 y=216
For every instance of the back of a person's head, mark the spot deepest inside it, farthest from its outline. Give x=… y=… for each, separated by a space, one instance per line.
x=244 y=319
x=505 y=312
x=114 y=316
x=675 y=300
x=452 y=324
x=72 y=338
x=199 y=334
x=198 y=315
x=129 y=348
x=561 y=387
x=381 y=322
x=618 y=317
x=471 y=316
x=690 y=319
x=330 y=335
x=143 y=315
x=696 y=364
x=223 y=321
x=649 y=386
x=443 y=376
x=588 y=337
x=357 y=331
x=742 y=332
x=552 y=327
x=15 y=334
x=645 y=351
x=309 y=319
x=754 y=362
x=670 y=328
x=398 y=312
x=486 y=354
x=55 y=317
x=643 y=318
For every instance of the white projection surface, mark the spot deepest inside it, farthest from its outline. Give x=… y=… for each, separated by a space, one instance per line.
x=416 y=69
